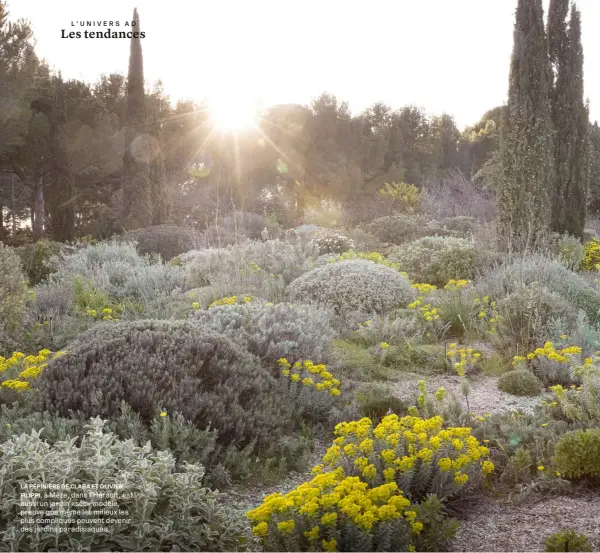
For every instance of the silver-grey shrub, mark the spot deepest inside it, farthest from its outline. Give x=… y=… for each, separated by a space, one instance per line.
x=118 y=270
x=355 y=285
x=396 y=229
x=178 y=512
x=437 y=259
x=524 y=270
x=294 y=331
x=257 y=268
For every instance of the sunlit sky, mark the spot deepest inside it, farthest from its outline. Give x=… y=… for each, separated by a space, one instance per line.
x=446 y=56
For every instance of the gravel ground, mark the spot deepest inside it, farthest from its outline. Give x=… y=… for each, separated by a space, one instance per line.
x=499 y=526
x=243 y=498
x=485 y=397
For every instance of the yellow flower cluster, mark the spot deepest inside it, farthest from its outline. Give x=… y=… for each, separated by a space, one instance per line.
x=487 y=313
x=456 y=284
x=231 y=300
x=552 y=354
x=374 y=453
x=424 y=288
x=23 y=368
x=375 y=257
x=106 y=314
x=468 y=358
x=428 y=313
x=327 y=498
x=311 y=375
x=592 y=255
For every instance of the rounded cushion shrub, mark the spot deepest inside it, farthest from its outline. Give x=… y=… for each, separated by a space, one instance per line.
x=179 y=513
x=166 y=240
x=436 y=259
x=296 y=332
x=576 y=454
x=396 y=229
x=520 y=382
x=177 y=366
x=460 y=226
x=546 y=272
x=354 y=285
x=525 y=314
x=333 y=243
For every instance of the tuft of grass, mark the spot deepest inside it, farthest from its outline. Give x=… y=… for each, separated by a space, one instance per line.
x=496 y=365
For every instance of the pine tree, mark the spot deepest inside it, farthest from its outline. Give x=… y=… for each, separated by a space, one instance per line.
x=571 y=120
x=527 y=145
x=61 y=206
x=137 y=204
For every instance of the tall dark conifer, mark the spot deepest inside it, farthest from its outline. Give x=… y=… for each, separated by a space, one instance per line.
x=527 y=149
x=137 y=204
x=571 y=120
x=161 y=206
x=61 y=196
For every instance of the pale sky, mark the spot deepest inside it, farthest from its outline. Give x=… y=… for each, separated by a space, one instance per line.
x=444 y=55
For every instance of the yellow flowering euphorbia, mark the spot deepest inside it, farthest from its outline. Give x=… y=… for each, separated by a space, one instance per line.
x=17 y=370
x=407 y=445
x=310 y=375
x=365 y=480
x=314 y=516
x=231 y=300
x=462 y=359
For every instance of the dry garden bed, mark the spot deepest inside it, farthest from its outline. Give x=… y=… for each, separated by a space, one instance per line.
x=433 y=399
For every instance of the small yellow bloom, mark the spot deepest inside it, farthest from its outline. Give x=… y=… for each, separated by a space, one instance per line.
x=163 y=414
x=541 y=467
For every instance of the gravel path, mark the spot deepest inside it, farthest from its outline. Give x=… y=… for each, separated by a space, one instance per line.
x=499 y=526
x=485 y=397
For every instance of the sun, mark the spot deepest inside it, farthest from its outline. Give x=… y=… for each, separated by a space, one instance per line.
x=233 y=114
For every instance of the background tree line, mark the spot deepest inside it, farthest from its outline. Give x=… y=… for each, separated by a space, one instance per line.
x=96 y=158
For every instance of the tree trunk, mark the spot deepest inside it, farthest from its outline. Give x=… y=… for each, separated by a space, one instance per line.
x=38 y=209
x=2 y=230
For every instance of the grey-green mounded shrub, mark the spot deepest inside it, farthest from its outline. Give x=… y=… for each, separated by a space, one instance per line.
x=568 y=249
x=437 y=259
x=527 y=311
x=294 y=331
x=177 y=366
x=576 y=454
x=166 y=240
x=551 y=274
x=396 y=229
x=520 y=382
x=355 y=285
x=35 y=259
x=166 y=510
x=118 y=270
x=460 y=226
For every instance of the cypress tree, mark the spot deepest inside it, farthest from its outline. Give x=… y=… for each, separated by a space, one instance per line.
x=61 y=205
x=137 y=205
x=527 y=145
x=571 y=120
x=161 y=206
